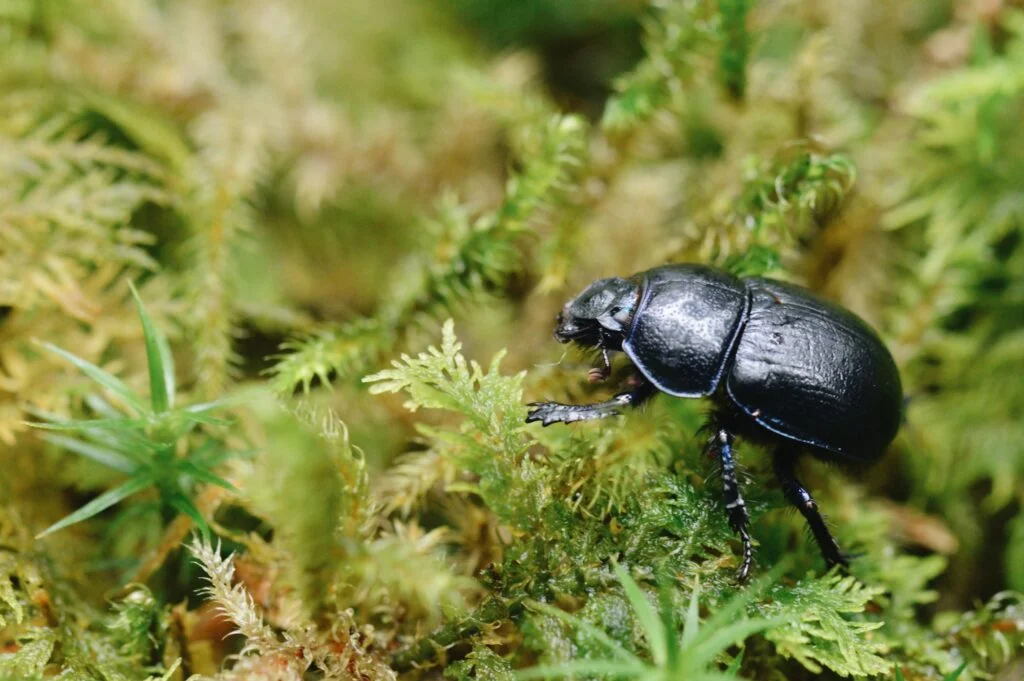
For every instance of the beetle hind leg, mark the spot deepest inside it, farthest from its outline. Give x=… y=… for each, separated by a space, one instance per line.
x=784 y=464
x=721 y=444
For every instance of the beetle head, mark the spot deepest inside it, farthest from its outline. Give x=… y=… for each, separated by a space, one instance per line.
x=600 y=314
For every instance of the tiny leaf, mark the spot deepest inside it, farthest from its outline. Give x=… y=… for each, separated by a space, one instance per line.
x=708 y=648
x=692 y=624
x=649 y=620
x=101 y=503
x=955 y=674
x=101 y=376
x=733 y=669
x=668 y=621
x=236 y=398
x=185 y=506
x=109 y=425
x=159 y=358
x=204 y=474
x=193 y=417
x=107 y=457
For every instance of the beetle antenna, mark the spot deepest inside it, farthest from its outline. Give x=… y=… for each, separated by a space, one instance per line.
x=553 y=364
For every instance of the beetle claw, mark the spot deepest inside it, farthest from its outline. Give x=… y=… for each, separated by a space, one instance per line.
x=843 y=559
x=545 y=412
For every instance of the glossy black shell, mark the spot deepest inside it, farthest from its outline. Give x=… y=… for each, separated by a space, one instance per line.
x=799 y=366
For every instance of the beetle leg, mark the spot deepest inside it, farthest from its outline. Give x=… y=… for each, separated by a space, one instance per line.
x=784 y=463
x=736 y=509
x=555 y=412
x=600 y=373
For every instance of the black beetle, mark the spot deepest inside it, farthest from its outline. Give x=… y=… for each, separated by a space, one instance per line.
x=780 y=364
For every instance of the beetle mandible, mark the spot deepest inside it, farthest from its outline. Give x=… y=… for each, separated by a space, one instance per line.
x=780 y=365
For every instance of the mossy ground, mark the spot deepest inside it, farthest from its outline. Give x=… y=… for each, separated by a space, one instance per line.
x=350 y=227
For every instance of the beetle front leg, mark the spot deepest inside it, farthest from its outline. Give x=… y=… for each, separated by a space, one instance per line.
x=555 y=412
x=600 y=373
x=735 y=508
x=784 y=463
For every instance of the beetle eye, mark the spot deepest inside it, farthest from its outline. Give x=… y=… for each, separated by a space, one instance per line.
x=622 y=313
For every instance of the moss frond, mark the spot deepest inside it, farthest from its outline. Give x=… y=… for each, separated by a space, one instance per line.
x=338 y=181
x=56 y=175
x=410 y=479
x=464 y=261
x=289 y=654
x=311 y=555
x=822 y=628
x=329 y=353
x=732 y=58
x=676 y=43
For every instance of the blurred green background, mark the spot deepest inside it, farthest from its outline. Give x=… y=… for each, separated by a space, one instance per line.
x=304 y=191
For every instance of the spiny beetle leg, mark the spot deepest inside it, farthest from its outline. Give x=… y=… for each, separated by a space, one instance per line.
x=555 y=412
x=721 y=444
x=784 y=463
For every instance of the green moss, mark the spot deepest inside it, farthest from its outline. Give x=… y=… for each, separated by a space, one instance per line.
x=384 y=212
